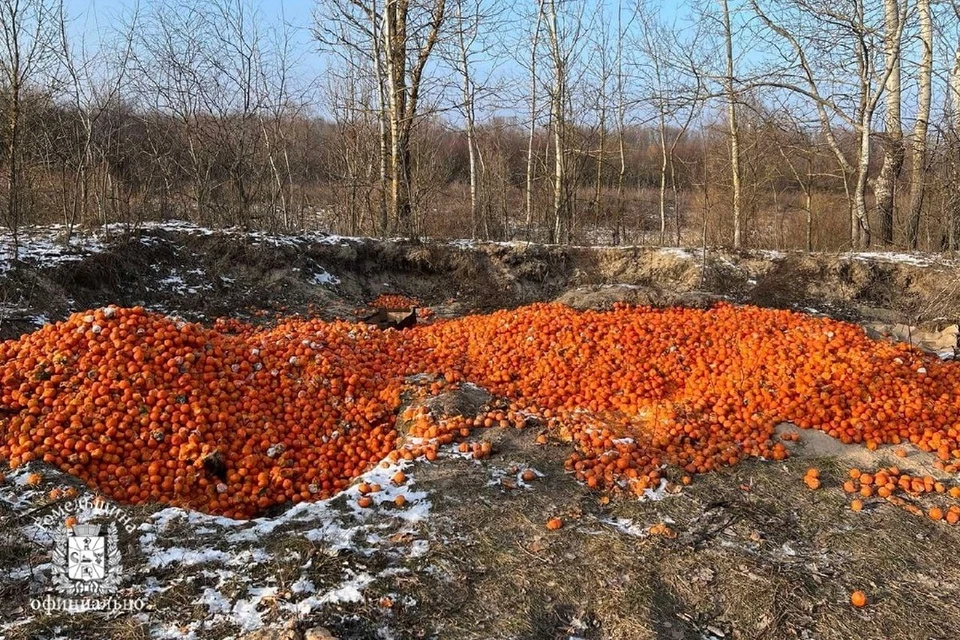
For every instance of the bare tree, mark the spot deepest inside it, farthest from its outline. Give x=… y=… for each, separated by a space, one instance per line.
x=558 y=99
x=535 y=39
x=893 y=150
x=30 y=34
x=602 y=72
x=286 y=103
x=918 y=162
x=400 y=37
x=732 y=124
x=567 y=22
x=469 y=17
x=830 y=36
x=675 y=91
x=621 y=88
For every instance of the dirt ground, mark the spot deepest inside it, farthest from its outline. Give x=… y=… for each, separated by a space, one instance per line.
x=748 y=552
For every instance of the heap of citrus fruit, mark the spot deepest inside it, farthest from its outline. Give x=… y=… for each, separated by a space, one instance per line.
x=148 y=408
x=394 y=301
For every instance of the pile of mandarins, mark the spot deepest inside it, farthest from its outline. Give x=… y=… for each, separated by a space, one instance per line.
x=394 y=301
x=146 y=408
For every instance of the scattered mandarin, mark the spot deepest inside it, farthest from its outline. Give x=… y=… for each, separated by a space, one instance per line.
x=858 y=598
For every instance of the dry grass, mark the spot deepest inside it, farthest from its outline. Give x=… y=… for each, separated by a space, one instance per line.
x=758 y=555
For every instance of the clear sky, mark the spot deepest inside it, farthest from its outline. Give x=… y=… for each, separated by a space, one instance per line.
x=92 y=17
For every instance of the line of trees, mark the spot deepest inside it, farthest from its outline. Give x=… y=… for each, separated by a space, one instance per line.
x=811 y=124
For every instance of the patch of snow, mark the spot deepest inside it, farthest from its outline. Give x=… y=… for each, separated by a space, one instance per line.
x=676 y=252
x=915 y=259
x=772 y=254
x=45 y=246
x=419 y=548
x=349 y=591
x=245 y=612
x=172 y=280
x=159 y=558
x=627 y=526
x=323 y=278
x=214 y=601
x=302 y=585
x=658 y=493
x=168 y=631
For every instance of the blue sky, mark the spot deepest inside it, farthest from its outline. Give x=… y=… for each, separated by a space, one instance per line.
x=91 y=18
x=98 y=16
x=95 y=19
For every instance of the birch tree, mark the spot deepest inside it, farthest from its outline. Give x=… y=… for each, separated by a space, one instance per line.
x=918 y=161
x=893 y=150
x=558 y=100
x=953 y=129
x=532 y=130
x=405 y=41
x=731 y=96
x=816 y=43
x=469 y=17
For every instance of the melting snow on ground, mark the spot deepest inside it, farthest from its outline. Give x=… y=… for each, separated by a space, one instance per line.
x=915 y=259
x=323 y=278
x=46 y=245
x=230 y=568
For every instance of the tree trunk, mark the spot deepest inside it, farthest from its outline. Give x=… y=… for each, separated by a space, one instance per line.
x=953 y=88
x=860 y=226
x=13 y=170
x=598 y=183
x=662 y=130
x=734 y=130
x=621 y=109
x=533 y=116
x=919 y=158
x=560 y=225
x=468 y=110
x=808 y=204
x=403 y=98
x=382 y=126
x=893 y=151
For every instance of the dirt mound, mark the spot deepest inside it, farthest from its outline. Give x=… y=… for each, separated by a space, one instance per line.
x=600 y=296
x=201 y=274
